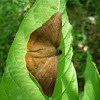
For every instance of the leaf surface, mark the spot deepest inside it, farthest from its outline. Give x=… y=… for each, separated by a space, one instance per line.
x=17 y=84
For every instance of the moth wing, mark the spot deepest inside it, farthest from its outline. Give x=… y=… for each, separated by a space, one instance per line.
x=48 y=35
x=44 y=71
x=53 y=27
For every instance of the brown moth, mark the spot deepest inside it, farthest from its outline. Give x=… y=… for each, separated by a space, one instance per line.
x=41 y=57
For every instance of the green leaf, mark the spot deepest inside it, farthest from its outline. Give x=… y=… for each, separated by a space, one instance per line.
x=16 y=82
x=92 y=81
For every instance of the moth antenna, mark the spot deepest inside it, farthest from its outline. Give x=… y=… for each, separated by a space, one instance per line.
x=65 y=57
x=66 y=46
x=73 y=60
x=60 y=59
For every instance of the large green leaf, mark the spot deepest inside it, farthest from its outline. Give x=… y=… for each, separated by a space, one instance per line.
x=16 y=82
x=92 y=81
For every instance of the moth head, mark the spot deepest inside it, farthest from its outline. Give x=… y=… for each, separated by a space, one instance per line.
x=58 y=52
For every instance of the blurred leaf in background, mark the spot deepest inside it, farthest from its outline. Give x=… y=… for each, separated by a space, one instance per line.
x=92 y=80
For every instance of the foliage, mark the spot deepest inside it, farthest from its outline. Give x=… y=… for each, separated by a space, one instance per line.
x=11 y=14
x=86 y=31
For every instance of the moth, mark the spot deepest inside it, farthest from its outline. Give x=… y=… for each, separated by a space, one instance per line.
x=41 y=57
